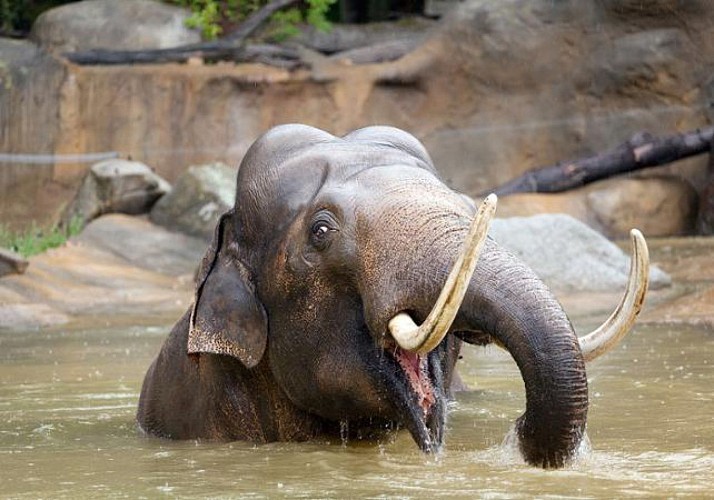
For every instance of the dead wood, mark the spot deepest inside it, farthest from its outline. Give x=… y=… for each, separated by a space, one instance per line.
x=230 y=47
x=642 y=151
x=256 y=19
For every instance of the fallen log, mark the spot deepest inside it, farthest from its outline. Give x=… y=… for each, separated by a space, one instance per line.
x=642 y=151
x=274 y=55
x=230 y=47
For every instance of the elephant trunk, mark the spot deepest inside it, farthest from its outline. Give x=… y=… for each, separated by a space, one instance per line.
x=508 y=302
x=426 y=337
x=503 y=299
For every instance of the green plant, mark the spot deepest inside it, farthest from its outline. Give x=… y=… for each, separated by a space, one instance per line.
x=211 y=16
x=36 y=240
x=205 y=16
x=286 y=22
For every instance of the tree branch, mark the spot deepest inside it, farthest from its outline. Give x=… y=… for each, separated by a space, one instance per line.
x=642 y=151
x=230 y=47
x=247 y=27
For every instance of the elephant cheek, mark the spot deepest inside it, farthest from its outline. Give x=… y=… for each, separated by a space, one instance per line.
x=351 y=395
x=332 y=387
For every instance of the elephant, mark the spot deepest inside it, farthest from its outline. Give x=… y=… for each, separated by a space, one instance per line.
x=341 y=287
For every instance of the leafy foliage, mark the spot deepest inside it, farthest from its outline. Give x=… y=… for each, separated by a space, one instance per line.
x=212 y=16
x=36 y=240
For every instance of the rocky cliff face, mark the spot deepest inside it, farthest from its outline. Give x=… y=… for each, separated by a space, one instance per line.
x=30 y=100
x=495 y=88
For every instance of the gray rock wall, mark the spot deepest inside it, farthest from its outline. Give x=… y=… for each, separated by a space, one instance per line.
x=495 y=89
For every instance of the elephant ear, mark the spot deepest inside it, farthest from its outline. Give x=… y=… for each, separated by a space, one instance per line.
x=227 y=316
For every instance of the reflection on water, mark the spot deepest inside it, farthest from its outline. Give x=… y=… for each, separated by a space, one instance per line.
x=67 y=403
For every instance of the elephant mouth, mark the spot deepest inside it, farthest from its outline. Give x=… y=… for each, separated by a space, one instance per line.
x=420 y=386
x=420 y=396
x=416 y=370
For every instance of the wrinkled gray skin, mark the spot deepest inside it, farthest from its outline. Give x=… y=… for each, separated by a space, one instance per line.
x=329 y=239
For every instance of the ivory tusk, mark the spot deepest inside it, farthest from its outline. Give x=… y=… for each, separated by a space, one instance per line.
x=424 y=338
x=620 y=322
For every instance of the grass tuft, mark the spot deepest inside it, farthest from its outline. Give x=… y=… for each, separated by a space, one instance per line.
x=36 y=240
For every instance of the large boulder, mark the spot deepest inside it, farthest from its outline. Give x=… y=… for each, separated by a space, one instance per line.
x=637 y=72
x=344 y=37
x=144 y=245
x=13 y=51
x=108 y=24
x=657 y=206
x=567 y=254
x=656 y=60
x=116 y=186
x=197 y=200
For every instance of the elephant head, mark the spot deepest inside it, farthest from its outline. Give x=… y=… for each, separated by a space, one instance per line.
x=341 y=286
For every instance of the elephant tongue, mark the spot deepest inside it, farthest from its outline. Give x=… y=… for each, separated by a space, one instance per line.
x=416 y=368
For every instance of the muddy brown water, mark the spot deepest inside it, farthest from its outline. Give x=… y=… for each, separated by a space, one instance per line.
x=68 y=397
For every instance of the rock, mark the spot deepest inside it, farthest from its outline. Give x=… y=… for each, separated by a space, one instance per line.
x=345 y=36
x=618 y=77
x=695 y=309
x=116 y=186
x=121 y=268
x=14 y=51
x=657 y=206
x=649 y=8
x=108 y=24
x=30 y=316
x=483 y=121
x=656 y=60
x=30 y=81
x=197 y=200
x=660 y=206
x=568 y=255
x=434 y=8
x=705 y=216
x=528 y=204
x=688 y=262
x=11 y=262
x=143 y=244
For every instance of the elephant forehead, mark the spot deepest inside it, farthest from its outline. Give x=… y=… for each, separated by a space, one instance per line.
x=296 y=179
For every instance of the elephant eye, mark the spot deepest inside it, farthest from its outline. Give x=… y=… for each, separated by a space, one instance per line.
x=321 y=232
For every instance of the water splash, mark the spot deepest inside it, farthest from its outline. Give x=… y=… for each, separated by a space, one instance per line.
x=509 y=452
